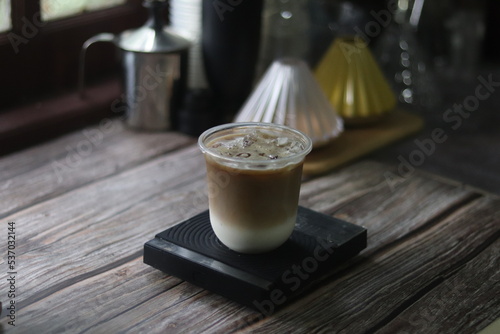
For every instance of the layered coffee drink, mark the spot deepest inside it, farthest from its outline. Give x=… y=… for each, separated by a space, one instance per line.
x=254 y=174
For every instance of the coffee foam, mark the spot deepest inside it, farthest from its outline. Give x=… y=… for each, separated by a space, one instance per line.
x=258 y=145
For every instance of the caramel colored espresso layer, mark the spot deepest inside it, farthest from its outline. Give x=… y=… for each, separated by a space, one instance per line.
x=253 y=199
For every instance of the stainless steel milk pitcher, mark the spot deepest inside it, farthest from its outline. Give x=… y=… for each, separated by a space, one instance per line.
x=155 y=63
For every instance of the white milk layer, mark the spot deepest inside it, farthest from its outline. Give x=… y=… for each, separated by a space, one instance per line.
x=246 y=240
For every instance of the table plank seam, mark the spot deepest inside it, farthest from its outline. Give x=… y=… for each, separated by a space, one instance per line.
x=406 y=304
x=363 y=258
x=202 y=291
x=336 y=206
x=74 y=280
x=130 y=309
x=180 y=301
x=332 y=277
x=458 y=183
x=453 y=269
x=350 y=265
x=69 y=282
x=125 y=168
x=468 y=200
x=437 y=281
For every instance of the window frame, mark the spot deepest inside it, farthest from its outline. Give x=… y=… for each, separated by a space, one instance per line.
x=44 y=55
x=37 y=82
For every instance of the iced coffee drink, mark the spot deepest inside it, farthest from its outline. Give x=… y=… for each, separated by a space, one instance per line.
x=254 y=175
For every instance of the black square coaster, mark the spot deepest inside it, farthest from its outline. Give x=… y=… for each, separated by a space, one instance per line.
x=191 y=251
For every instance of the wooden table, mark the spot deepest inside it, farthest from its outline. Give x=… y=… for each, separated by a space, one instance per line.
x=83 y=206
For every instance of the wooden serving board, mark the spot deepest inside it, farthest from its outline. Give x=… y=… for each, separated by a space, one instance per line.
x=356 y=142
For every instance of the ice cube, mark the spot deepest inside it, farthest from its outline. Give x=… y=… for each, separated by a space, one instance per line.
x=238 y=142
x=295 y=147
x=248 y=140
x=281 y=141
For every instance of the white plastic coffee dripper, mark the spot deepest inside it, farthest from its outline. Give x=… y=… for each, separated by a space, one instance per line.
x=289 y=95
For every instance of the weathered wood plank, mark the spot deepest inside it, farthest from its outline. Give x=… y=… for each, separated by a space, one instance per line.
x=120 y=213
x=464 y=303
x=50 y=169
x=391 y=277
x=90 y=302
x=96 y=225
x=387 y=213
x=342 y=185
x=165 y=190
x=191 y=315
x=114 y=303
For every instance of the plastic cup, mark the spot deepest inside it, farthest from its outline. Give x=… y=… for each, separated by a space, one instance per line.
x=254 y=173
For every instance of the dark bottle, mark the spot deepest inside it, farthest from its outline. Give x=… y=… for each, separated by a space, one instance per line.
x=230 y=41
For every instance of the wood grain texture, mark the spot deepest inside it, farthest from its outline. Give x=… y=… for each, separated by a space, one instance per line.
x=80 y=250
x=466 y=301
x=43 y=172
x=377 y=286
x=118 y=215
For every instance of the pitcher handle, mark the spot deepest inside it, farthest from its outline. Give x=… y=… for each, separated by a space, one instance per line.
x=104 y=37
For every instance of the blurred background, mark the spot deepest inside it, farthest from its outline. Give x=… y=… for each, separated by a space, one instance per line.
x=431 y=52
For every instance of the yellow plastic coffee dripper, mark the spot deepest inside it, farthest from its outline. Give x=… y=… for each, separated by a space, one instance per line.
x=353 y=82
